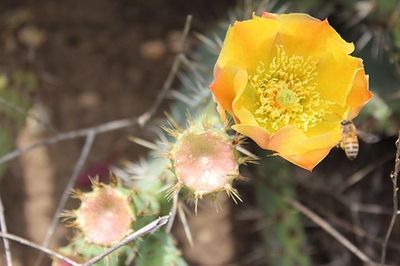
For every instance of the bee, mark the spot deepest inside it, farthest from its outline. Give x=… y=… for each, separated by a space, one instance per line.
x=349 y=141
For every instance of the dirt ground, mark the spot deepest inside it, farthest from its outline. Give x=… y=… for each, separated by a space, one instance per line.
x=95 y=61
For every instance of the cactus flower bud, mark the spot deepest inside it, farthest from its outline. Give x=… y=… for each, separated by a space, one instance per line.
x=204 y=160
x=105 y=215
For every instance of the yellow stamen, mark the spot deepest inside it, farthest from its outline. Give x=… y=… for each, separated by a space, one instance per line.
x=287 y=94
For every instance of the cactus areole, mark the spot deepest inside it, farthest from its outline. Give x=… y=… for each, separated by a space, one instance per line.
x=204 y=161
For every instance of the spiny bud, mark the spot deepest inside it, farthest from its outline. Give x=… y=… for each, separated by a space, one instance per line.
x=105 y=215
x=204 y=160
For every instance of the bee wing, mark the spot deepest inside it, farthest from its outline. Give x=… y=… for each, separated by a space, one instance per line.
x=368 y=137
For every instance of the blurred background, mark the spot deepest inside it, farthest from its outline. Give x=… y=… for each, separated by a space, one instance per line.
x=67 y=65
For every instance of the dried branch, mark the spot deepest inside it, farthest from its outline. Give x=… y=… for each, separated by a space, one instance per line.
x=149 y=228
x=102 y=128
x=332 y=231
x=145 y=117
x=47 y=251
x=361 y=174
x=393 y=177
x=72 y=180
x=3 y=228
x=353 y=228
x=22 y=112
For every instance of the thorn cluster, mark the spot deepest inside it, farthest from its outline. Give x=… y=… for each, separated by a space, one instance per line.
x=204 y=160
x=105 y=215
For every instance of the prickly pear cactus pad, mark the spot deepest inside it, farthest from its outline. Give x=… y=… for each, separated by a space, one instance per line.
x=159 y=249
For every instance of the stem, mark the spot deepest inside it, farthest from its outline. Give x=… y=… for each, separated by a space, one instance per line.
x=3 y=228
x=149 y=228
x=28 y=243
x=72 y=180
x=393 y=177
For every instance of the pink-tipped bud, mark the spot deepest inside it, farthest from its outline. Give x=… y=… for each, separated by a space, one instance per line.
x=205 y=161
x=105 y=215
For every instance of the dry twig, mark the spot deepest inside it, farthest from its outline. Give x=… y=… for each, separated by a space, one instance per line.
x=3 y=228
x=393 y=177
x=144 y=118
x=149 y=228
x=102 y=128
x=47 y=251
x=361 y=174
x=72 y=179
x=22 y=112
x=332 y=231
x=353 y=228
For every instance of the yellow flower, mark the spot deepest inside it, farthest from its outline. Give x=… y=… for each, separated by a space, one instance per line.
x=289 y=80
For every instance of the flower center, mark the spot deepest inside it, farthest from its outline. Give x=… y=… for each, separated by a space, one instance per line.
x=286 y=92
x=286 y=97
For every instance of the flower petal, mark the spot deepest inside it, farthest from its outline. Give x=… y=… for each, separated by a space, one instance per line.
x=291 y=144
x=335 y=76
x=359 y=94
x=227 y=82
x=290 y=140
x=244 y=105
x=300 y=33
x=256 y=133
x=246 y=42
x=329 y=47
x=246 y=117
x=308 y=160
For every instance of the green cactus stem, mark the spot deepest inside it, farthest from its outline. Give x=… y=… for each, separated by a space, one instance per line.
x=159 y=249
x=284 y=238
